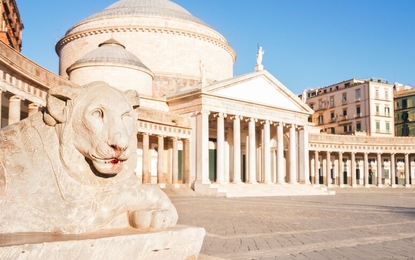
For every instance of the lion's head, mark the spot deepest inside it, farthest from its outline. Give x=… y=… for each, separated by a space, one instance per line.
x=96 y=126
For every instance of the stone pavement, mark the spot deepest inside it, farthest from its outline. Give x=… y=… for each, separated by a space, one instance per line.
x=356 y=223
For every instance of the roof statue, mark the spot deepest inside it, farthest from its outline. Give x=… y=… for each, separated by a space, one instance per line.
x=259 y=55
x=203 y=73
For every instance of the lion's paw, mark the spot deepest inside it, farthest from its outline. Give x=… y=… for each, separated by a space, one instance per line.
x=155 y=219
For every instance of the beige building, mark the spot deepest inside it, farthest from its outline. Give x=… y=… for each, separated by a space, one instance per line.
x=201 y=127
x=353 y=107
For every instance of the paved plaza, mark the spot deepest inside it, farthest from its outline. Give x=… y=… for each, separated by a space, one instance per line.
x=375 y=223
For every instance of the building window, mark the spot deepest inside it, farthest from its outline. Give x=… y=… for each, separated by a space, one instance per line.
x=377 y=110
x=357 y=94
x=345 y=112
x=332 y=131
x=332 y=116
x=377 y=126
x=344 y=97
x=332 y=101
x=358 y=110
x=376 y=93
x=347 y=85
x=387 y=127
x=320 y=119
x=387 y=111
x=358 y=126
x=386 y=94
x=404 y=103
x=350 y=128
x=345 y=128
x=405 y=130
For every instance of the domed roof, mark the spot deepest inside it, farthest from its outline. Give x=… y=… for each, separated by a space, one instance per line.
x=110 y=52
x=161 y=8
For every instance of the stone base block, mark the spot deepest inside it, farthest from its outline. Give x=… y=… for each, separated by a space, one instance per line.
x=180 y=242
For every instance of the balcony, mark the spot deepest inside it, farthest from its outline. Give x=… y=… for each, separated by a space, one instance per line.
x=358 y=115
x=357 y=99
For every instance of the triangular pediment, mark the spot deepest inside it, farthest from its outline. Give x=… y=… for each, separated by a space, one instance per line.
x=260 y=88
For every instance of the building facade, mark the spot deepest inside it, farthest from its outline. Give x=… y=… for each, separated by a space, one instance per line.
x=353 y=107
x=405 y=112
x=11 y=25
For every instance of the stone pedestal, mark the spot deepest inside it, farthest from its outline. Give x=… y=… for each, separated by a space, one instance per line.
x=180 y=242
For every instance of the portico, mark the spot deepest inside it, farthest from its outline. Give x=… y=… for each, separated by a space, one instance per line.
x=241 y=136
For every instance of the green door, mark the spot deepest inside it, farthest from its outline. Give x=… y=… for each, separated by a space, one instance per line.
x=180 y=165
x=212 y=164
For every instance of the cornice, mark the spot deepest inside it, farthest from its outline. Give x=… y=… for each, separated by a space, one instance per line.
x=115 y=29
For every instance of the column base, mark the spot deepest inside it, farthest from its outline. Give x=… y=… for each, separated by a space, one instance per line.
x=367 y=186
x=316 y=185
x=354 y=185
x=394 y=186
x=238 y=182
x=253 y=183
x=162 y=185
x=380 y=185
x=294 y=183
x=281 y=183
x=407 y=185
x=341 y=185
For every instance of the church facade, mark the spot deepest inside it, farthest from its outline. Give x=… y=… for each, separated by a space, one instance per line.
x=199 y=125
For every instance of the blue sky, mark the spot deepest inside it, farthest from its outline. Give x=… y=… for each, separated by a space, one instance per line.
x=307 y=43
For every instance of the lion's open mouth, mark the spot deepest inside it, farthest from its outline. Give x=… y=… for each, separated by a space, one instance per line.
x=114 y=161
x=108 y=161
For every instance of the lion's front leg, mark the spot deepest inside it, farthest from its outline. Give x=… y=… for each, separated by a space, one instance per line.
x=158 y=213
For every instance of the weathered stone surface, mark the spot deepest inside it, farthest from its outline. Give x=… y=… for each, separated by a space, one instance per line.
x=180 y=242
x=70 y=169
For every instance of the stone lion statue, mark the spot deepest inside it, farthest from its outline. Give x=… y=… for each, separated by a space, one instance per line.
x=70 y=168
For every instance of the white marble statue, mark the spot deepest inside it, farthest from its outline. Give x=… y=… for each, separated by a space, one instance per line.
x=259 y=55
x=70 y=168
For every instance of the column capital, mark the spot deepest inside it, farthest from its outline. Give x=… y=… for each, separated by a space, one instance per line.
x=263 y=122
x=203 y=112
x=220 y=114
x=235 y=117
x=16 y=98
x=251 y=119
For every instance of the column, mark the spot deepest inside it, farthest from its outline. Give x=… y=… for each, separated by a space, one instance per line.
x=14 y=109
x=146 y=159
x=393 y=173
x=252 y=151
x=33 y=108
x=237 y=149
x=186 y=162
x=366 y=169
x=175 y=161
x=267 y=153
x=220 y=149
x=293 y=158
x=202 y=147
x=407 y=172
x=328 y=169
x=316 y=166
x=304 y=155
x=160 y=160
x=353 y=173
x=280 y=153
x=379 y=169
x=341 y=168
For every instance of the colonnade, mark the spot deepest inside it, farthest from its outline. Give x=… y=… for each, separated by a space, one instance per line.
x=14 y=106
x=361 y=168
x=167 y=167
x=260 y=141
